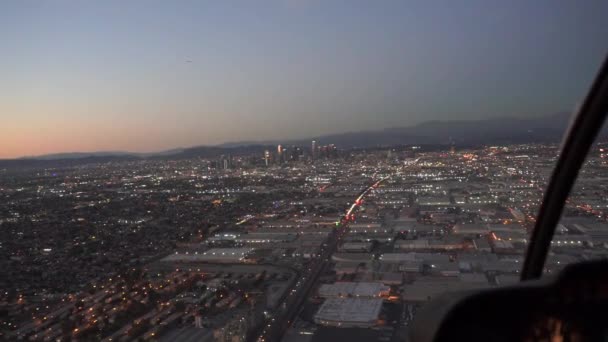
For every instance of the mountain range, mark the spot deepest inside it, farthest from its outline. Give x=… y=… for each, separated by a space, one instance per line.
x=549 y=128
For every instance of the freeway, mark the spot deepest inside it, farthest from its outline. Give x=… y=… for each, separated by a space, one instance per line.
x=279 y=321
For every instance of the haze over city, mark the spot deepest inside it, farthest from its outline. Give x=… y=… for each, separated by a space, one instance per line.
x=146 y=76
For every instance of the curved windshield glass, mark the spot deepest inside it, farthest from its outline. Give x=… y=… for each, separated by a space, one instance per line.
x=582 y=233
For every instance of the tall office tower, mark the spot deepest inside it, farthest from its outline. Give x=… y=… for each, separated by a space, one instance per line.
x=313 y=152
x=225 y=162
x=286 y=155
x=296 y=152
x=332 y=151
x=280 y=154
x=266 y=157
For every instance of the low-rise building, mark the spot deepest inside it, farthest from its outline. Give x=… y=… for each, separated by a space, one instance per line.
x=219 y=255
x=255 y=238
x=353 y=289
x=356 y=247
x=470 y=229
x=349 y=312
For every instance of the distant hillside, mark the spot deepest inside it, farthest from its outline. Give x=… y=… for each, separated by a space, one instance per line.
x=460 y=132
x=66 y=162
x=77 y=155
x=491 y=131
x=212 y=151
x=74 y=159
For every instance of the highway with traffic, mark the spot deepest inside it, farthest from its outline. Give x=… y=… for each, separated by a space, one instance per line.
x=278 y=322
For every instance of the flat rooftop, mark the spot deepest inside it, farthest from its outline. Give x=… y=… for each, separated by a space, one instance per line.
x=425 y=288
x=349 y=311
x=413 y=256
x=360 y=257
x=354 y=289
x=214 y=254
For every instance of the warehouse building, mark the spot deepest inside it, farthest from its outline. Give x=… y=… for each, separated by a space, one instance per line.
x=353 y=289
x=349 y=312
x=218 y=255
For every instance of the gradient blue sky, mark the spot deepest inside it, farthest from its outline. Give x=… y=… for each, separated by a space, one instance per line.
x=113 y=75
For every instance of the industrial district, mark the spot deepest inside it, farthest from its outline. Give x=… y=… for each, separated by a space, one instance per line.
x=294 y=244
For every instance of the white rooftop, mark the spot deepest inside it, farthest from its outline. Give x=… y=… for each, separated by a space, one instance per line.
x=349 y=311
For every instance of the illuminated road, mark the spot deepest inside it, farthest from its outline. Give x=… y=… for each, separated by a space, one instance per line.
x=279 y=321
x=359 y=199
x=245 y=220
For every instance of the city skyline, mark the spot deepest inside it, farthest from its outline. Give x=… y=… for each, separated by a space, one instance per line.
x=148 y=77
x=430 y=132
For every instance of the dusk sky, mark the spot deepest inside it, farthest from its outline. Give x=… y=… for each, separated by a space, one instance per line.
x=153 y=75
